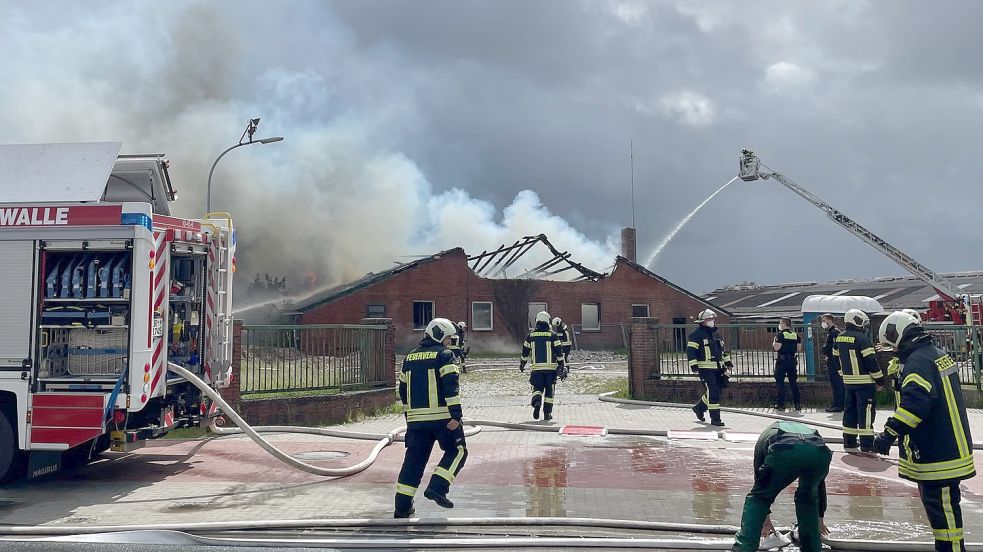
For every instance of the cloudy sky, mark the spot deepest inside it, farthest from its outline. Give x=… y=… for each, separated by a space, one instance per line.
x=417 y=126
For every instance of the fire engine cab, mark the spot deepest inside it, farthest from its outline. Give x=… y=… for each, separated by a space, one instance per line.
x=100 y=287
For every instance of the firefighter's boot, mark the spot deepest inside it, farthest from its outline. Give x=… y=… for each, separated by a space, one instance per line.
x=537 y=402
x=440 y=499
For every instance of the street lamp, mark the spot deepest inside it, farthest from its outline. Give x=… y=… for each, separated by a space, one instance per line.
x=245 y=140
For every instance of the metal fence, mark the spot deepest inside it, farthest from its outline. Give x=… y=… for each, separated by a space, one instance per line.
x=752 y=354
x=311 y=357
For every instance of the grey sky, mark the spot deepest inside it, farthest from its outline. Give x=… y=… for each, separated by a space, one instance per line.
x=387 y=106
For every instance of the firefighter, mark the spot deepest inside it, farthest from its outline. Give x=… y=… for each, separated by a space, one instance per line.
x=936 y=448
x=787 y=344
x=543 y=351
x=566 y=337
x=787 y=451
x=428 y=389
x=707 y=357
x=861 y=377
x=833 y=362
x=894 y=366
x=459 y=346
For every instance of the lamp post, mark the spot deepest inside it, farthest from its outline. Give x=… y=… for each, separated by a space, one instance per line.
x=245 y=140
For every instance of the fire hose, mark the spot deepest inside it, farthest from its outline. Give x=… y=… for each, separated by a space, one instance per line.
x=254 y=433
x=106 y=533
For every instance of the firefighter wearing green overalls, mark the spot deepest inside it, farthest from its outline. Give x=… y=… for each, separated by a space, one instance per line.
x=708 y=358
x=543 y=351
x=931 y=426
x=786 y=452
x=428 y=389
x=861 y=377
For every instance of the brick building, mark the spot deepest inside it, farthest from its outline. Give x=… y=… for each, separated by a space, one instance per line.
x=498 y=310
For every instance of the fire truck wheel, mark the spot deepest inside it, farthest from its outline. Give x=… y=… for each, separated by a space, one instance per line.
x=11 y=458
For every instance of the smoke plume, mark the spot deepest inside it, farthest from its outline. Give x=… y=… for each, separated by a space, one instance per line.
x=336 y=199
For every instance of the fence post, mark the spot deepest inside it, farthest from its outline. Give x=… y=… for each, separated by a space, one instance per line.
x=388 y=361
x=643 y=355
x=232 y=394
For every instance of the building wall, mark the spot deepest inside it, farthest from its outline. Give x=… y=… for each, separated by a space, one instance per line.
x=450 y=283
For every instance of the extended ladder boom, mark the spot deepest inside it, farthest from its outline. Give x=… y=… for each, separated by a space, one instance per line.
x=751 y=170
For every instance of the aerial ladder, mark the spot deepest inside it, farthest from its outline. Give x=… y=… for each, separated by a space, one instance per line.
x=952 y=305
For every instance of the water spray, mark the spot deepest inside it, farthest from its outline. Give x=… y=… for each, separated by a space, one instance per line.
x=672 y=234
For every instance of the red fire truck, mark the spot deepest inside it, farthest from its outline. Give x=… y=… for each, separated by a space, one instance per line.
x=100 y=287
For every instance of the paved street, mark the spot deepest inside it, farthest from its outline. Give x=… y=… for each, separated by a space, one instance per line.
x=509 y=473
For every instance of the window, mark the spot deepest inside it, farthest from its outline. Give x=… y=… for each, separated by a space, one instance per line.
x=639 y=311
x=590 y=316
x=422 y=314
x=481 y=315
x=375 y=311
x=534 y=309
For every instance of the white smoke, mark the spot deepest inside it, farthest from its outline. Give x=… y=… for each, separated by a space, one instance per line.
x=336 y=198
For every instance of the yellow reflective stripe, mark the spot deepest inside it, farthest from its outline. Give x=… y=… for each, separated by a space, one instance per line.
x=713 y=406
x=457 y=459
x=853 y=362
x=402 y=377
x=918 y=473
x=948 y=535
x=405 y=489
x=845 y=339
x=707 y=355
x=454 y=401
x=706 y=364
x=916 y=379
x=547 y=400
x=867 y=352
x=409 y=381
x=907 y=418
x=858 y=379
x=950 y=518
x=836 y=352
x=441 y=472
x=432 y=388
x=869 y=417
x=449 y=369
x=893 y=366
x=850 y=431
x=692 y=345
x=876 y=375
x=957 y=423
x=543 y=367
x=413 y=417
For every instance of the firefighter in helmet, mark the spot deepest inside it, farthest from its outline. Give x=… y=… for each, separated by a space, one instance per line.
x=894 y=366
x=861 y=377
x=459 y=345
x=565 y=335
x=707 y=357
x=543 y=351
x=428 y=389
x=930 y=425
x=787 y=345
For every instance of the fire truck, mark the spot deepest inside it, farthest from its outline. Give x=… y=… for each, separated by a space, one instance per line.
x=100 y=288
x=950 y=306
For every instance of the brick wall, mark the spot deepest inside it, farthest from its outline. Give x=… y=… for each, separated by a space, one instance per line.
x=315 y=411
x=450 y=283
x=751 y=393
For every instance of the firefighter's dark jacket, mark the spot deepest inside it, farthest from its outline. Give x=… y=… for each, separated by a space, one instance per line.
x=830 y=346
x=428 y=386
x=858 y=361
x=563 y=332
x=704 y=350
x=542 y=349
x=931 y=422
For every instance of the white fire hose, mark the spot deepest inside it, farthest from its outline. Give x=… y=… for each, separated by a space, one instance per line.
x=155 y=533
x=253 y=433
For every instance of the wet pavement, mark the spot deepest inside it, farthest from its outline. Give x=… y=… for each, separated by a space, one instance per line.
x=508 y=473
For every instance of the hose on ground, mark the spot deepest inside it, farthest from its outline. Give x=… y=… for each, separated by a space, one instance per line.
x=383 y=441
x=606 y=397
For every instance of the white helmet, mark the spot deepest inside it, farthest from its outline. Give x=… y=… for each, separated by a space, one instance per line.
x=440 y=328
x=894 y=327
x=542 y=316
x=706 y=315
x=856 y=317
x=463 y=325
x=914 y=313
x=557 y=322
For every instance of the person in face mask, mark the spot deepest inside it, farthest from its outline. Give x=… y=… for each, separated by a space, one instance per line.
x=833 y=363
x=707 y=357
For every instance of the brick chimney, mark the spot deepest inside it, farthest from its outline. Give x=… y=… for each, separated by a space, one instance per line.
x=628 y=244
